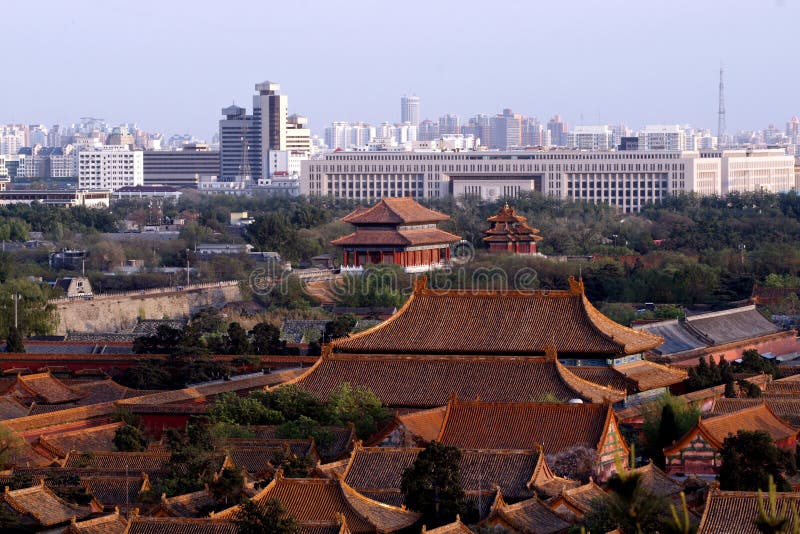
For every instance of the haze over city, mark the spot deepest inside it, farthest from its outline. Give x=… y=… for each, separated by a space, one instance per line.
x=171 y=66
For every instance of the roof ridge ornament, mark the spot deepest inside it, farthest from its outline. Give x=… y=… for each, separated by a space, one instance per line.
x=421 y=284
x=576 y=285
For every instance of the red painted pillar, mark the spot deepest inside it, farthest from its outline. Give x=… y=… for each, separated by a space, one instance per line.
x=344 y=261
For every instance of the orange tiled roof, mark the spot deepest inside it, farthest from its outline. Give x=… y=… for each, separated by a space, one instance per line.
x=311 y=500
x=456 y=527
x=498 y=322
x=495 y=425
x=43 y=506
x=716 y=429
x=402 y=210
x=421 y=236
x=508 y=226
x=115 y=490
x=657 y=481
x=11 y=408
x=648 y=375
x=376 y=470
x=107 y=524
x=195 y=504
x=47 y=387
x=787 y=408
x=179 y=525
x=531 y=516
x=98 y=438
x=735 y=512
x=578 y=498
x=428 y=381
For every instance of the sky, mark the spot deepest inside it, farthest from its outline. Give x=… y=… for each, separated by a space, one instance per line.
x=171 y=65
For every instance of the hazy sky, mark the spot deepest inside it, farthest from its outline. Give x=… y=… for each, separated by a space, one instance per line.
x=171 y=65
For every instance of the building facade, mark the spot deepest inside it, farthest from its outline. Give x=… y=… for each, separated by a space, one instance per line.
x=109 y=168
x=180 y=168
x=625 y=179
x=56 y=197
x=409 y=109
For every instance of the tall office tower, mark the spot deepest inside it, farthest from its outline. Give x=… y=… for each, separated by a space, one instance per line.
x=270 y=116
x=428 y=131
x=793 y=130
x=506 y=130
x=239 y=145
x=532 y=132
x=449 y=124
x=409 y=109
x=361 y=134
x=558 y=131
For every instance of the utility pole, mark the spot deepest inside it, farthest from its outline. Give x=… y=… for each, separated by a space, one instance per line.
x=16 y=297
x=721 y=112
x=187 y=267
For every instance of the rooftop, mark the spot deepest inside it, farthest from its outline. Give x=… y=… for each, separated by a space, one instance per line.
x=403 y=210
x=735 y=512
x=521 y=323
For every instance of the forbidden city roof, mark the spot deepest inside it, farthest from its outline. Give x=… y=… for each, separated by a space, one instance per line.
x=377 y=471
x=737 y=511
x=427 y=381
x=554 y=426
x=403 y=210
x=315 y=500
x=421 y=236
x=508 y=226
x=515 y=322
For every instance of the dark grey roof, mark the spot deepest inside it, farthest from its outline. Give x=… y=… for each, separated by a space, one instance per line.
x=148 y=327
x=294 y=331
x=731 y=325
x=676 y=337
x=100 y=337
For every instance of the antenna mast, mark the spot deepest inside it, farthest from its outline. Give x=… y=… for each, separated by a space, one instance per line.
x=721 y=116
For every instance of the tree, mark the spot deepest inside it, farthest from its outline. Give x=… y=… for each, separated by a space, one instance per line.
x=14 y=341
x=668 y=432
x=9 y=443
x=685 y=414
x=629 y=507
x=129 y=438
x=357 y=405
x=265 y=339
x=730 y=390
x=432 y=485
x=576 y=463
x=228 y=488
x=237 y=341
x=749 y=459
x=339 y=327
x=260 y=518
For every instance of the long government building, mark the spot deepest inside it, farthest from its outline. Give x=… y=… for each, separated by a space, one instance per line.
x=626 y=179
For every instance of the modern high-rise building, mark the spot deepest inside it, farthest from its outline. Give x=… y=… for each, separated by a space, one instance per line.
x=532 y=132
x=506 y=130
x=239 y=144
x=558 y=131
x=268 y=129
x=182 y=168
x=428 y=131
x=449 y=125
x=409 y=109
x=109 y=168
x=662 y=137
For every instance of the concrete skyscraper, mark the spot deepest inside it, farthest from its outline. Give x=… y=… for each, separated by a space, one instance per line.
x=409 y=109
x=267 y=142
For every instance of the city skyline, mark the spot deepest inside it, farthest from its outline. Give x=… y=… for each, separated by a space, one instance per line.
x=655 y=65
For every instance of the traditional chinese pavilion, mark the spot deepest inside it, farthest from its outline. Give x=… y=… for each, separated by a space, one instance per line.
x=510 y=233
x=396 y=231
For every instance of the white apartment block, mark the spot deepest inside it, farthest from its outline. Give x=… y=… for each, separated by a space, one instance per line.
x=662 y=137
x=756 y=170
x=591 y=138
x=626 y=179
x=110 y=167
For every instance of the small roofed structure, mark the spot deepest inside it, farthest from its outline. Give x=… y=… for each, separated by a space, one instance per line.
x=736 y=512
x=573 y=503
x=42 y=388
x=456 y=527
x=37 y=506
x=321 y=501
x=699 y=451
x=114 y=523
x=531 y=516
x=396 y=231
x=510 y=233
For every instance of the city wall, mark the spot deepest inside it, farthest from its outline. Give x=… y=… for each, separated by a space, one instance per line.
x=119 y=313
